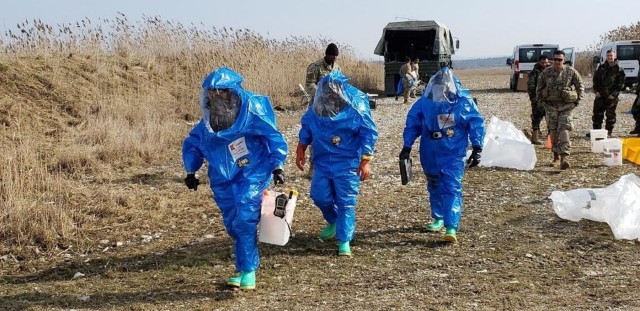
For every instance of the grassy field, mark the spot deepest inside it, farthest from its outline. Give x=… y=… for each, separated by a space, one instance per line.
x=92 y=183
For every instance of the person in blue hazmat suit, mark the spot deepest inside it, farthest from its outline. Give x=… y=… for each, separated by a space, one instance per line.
x=445 y=118
x=339 y=127
x=238 y=137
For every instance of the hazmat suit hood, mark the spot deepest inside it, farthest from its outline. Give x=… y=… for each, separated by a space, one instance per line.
x=331 y=97
x=222 y=100
x=442 y=87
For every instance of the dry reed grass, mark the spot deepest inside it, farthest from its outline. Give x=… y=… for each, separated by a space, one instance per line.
x=584 y=62
x=81 y=99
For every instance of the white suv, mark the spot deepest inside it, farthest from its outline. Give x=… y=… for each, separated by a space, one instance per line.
x=627 y=53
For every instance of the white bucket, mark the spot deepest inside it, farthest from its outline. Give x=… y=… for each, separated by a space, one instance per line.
x=273 y=229
x=612 y=149
x=597 y=136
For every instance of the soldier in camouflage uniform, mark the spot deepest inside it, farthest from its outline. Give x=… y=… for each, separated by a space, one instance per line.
x=560 y=89
x=316 y=71
x=321 y=68
x=537 y=109
x=407 y=79
x=635 y=109
x=608 y=81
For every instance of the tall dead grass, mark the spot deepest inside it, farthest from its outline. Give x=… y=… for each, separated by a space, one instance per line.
x=83 y=98
x=32 y=199
x=584 y=62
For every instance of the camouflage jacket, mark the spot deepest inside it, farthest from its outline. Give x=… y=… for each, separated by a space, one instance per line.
x=551 y=84
x=315 y=72
x=608 y=80
x=405 y=71
x=533 y=81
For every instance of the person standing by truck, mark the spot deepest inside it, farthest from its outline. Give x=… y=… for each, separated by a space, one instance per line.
x=608 y=81
x=407 y=79
x=537 y=109
x=415 y=67
x=560 y=90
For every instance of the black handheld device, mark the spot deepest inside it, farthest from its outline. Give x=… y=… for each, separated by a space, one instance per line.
x=281 y=205
x=405 y=171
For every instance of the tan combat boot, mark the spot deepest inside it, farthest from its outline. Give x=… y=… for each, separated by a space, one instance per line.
x=556 y=157
x=534 y=138
x=564 y=164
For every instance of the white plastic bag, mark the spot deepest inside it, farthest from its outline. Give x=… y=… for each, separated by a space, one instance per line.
x=506 y=146
x=618 y=205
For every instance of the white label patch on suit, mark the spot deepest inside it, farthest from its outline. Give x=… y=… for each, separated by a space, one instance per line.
x=238 y=149
x=446 y=120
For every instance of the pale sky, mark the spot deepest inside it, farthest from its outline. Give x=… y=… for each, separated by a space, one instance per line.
x=485 y=28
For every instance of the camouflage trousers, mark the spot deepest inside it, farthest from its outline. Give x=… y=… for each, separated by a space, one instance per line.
x=559 y=123
x=537 y=113
x=406 y=85
x=635 y=111
x=602 y=106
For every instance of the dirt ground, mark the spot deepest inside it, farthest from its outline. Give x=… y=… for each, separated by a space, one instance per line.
x=514 y=252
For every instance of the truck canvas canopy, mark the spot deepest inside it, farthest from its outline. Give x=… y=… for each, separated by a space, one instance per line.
x=424 y=39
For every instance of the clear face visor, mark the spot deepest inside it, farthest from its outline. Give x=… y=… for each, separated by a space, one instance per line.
x=329 y=100
x=223 y=106
x=442 y=88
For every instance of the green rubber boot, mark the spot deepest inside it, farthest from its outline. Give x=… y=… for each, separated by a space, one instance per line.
x=234 y=281
x=435 y=226
x=243 y=280
x=344 y=249
x=248 y=280
x=450 y=235
x=328 y=232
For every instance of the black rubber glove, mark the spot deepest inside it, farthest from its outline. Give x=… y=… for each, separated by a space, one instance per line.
x=278 y=176
x=474 y=158
x=405 y=153
x=192 y=182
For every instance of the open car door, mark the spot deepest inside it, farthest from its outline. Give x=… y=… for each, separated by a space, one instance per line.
x=570 y=56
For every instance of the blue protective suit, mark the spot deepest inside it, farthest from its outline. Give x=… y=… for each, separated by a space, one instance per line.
x=340 y=132
x=241 y=160
x=456 y=118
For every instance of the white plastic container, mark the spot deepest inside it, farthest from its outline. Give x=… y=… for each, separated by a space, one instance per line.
x=597 y=136
x=273 y=229
x=612 y=149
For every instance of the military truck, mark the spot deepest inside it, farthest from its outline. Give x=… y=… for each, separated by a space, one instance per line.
x=430 y=41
